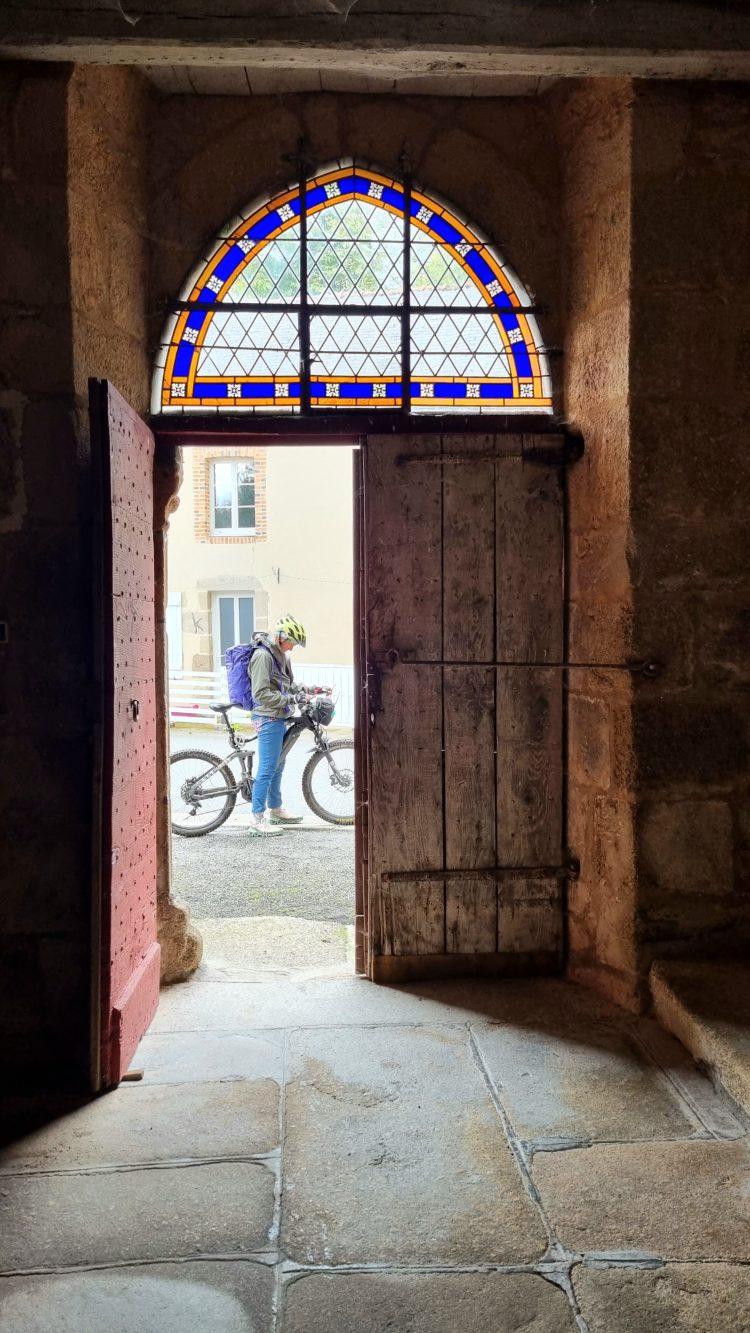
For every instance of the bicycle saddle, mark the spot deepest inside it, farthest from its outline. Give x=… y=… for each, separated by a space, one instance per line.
x=220 y=708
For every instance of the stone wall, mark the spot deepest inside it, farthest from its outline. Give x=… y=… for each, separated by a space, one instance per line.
x=656 y=198
x=690 y=499
x=45 y=728
x=595 y=139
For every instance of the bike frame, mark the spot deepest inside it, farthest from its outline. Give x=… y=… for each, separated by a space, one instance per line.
x=294 y=729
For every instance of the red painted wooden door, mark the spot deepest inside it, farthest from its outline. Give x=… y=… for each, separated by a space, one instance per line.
x=125 y=924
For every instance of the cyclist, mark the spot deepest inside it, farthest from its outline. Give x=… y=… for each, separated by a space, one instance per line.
x=272 y=685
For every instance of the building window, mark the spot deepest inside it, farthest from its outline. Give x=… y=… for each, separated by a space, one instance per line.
x=233 y=497
x=233 y=622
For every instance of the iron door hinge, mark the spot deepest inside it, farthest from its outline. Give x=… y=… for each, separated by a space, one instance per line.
x=569 y=869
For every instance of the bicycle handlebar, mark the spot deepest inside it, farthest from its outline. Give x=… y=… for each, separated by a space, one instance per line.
x=310 y=691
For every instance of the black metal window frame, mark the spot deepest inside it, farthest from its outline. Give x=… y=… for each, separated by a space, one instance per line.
x=307 y=309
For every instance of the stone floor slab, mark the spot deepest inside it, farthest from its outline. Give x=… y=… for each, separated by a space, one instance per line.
x=426 y=1303
x=190 y=1057
x=49 y=1221
x=256 y=947
x=571 y=1077
x=394 y=1153
x=149 y=1124
x=682 y=1201
x=240 y=1007
x=232 y=1297
x=680 y=1298
x=237 y=1007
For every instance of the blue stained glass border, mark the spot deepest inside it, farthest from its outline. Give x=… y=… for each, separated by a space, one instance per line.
x=435 y=221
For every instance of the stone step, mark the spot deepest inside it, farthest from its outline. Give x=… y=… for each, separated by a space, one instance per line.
x=707 y=1006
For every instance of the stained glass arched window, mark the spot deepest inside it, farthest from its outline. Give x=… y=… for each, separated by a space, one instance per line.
x=352 y=291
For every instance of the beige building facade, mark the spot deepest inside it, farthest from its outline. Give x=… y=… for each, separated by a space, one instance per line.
x=261 y=532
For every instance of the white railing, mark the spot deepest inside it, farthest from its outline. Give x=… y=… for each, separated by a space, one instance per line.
x=341 y=681
x=191 y=692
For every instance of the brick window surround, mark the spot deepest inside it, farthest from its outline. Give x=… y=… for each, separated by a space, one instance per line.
x=202 y=518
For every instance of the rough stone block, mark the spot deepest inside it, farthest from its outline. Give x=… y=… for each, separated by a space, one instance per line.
x=675 y=1200
x=689 y=742
x=223 y=1297
x=685 y=847
x=679 y=1298
x=600 y=483
x=137 y=1123
x=600 y=633
x=426 y=1303
x=571 y=1077
x=160 y=1213
x=614 y=843
x=687 y=555
x=200 y=1057
x=394 y=1153
x=599 y=569
x=722 y=639
x=589 y=753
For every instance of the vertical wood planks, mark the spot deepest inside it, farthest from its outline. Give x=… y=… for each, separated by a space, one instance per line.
x=529 y=699
x=464 y=573
x=468 y=550
x=404 y=613
x=529 y=557
x=404 y=548
x=469 y=691
x=529 y=755
x=471 y=915
x=530 y=916
x=471 y=905
x=406 y=826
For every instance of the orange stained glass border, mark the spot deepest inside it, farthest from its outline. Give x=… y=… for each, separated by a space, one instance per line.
x=328 y=177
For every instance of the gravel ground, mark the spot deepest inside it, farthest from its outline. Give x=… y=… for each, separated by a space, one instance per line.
x=307 y=872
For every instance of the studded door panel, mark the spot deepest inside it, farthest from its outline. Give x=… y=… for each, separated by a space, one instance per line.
x=129 y=949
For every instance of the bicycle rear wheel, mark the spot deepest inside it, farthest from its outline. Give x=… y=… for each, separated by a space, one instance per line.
x=202 y=792
x=328 y=783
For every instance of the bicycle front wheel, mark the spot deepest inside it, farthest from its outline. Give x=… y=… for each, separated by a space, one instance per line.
x=202 y=792
x=328 y=783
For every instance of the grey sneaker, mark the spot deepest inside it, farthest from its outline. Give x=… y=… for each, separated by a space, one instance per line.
x=260 y=828
x=282 y=816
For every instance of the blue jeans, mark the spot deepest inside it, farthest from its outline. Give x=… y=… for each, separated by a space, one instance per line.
x=267 y=784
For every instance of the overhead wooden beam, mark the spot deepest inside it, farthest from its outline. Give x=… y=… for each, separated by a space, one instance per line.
x=470 y=38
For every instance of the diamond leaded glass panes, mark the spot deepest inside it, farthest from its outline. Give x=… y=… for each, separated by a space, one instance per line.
x=353 y=290
x=355 y=255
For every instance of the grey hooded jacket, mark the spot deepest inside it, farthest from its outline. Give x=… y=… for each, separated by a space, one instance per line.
x=272 y=679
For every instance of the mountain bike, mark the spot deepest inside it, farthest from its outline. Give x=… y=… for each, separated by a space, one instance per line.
x=203 y=787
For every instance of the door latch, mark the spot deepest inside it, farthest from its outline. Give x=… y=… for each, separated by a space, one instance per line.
x=135 y=709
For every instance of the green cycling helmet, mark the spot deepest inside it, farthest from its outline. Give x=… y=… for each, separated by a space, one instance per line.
x=289 y=628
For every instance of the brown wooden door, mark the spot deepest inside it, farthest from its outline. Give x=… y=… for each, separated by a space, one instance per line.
x=125 y=766
x=464 y=609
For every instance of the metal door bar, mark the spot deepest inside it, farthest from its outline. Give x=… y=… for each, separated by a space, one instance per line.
x=569 y=870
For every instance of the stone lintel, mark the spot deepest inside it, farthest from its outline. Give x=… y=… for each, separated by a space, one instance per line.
x=645 y=41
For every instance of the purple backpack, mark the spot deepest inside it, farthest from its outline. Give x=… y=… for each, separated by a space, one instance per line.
x=237 y=662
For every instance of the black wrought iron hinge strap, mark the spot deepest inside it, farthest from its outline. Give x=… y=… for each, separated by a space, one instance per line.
x=569 y=451
x=570 y=869
x=646 y=666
